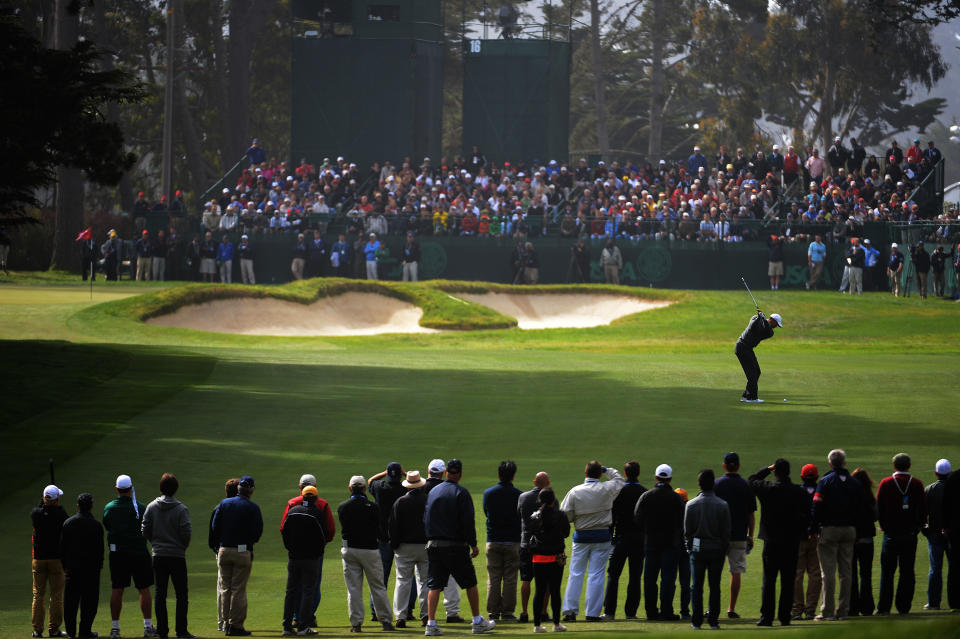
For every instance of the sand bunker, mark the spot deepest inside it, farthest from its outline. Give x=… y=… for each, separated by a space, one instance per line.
x=346 y=314
x=562 y=310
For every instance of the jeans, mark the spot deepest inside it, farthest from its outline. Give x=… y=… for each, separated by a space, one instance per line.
x=173 y=569
x=936 y=548
x=660 y=562
x=779 y=560
x=625 y=552
x=710 y=565
x=861 y=579
x=302 y=579
x=595 y=556
x=899 y=551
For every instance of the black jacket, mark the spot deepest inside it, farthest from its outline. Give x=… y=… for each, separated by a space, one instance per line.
x=624 y=525
x=47 y=525
x=527 y=504
x=302 y=531
x=549 y=528
x=659 y=516
x=406 y=519
x=950 y=510
x=386 y=493
x=411 y=252
x=757 y=330
x=359 y=523
x=81 y=543
x=785 y=511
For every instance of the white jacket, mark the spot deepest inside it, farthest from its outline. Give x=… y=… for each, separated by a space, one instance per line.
x=588 y=505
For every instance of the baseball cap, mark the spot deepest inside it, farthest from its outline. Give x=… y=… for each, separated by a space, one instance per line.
x=437 y=466
x=809 y=471
x=683 y=493
x=394 y=470
x=733 y=458
x=51 y=492
x=942 y=468
x=308 y=480
x=664 y=471
x=894 y=245
x=309 y=491
x=357 y=481
x=247 y=480
x=124 y=482
x=454 y=466
x=776 y=316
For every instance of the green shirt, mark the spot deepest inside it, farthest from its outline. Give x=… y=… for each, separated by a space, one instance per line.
x=123 y=526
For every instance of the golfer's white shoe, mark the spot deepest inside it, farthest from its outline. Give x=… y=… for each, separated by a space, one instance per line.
x=751 y=401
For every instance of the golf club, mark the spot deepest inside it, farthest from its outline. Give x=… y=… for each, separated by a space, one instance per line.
x=749 y=292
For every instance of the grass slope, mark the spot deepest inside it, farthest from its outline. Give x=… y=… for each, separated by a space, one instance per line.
x=874 y=375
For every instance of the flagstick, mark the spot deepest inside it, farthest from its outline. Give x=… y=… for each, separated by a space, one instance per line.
x=91 y=281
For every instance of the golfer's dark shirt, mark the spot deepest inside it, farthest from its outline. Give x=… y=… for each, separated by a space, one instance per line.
x=757 y=330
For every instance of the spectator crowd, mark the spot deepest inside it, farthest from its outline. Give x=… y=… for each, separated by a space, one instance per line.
x=820 y=530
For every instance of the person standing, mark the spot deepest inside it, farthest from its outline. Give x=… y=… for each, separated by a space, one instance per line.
x=527 y=504
x=225 y=259
x=683 y=565
x=836 y=502
x=208 y=257
x=612 y=261
x=903 y=512
x=4 y=248
x=247 y=255
x=950 y=513
x=733 y=489
x=816 y=255
x=411 y=258
x=237 y=525
x=47 y=519
x=231 y=489
x=386 y=488
x=408 y=540
x=775 y=261
x=158 y=257
x=938 y=264
x=451 y=593
x=706 y=531
x=451 y=545
x=871 y=263
x=756 y=331
x=166 y=525
x=627 y=546
x=808 y=563
x=856 y=259
x=659 y=516
x=589 y=507
x=89 y=256
x=304 y=538
x=341 y=254
x=300 y=253
x=143 y=249
x=370 y=251
x=361 y=532
x=317 y=255
x=81 y=552
x=129 y=558
x=921 y=263
x=861 y=569
x=784 y=520
x=549 y=529
x=503 y=544
x=329 y=530
x=936 y=540
x=895 y=268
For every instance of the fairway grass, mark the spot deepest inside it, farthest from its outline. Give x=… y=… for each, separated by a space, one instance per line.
x=104 y=394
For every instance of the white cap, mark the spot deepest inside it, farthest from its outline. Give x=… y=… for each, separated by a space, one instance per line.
x=308 y=480
x=894 y=245
x=943 y=468
x=52 y=493
x=776 y=316
x=437 y=466
x=124 y=482
x=664 y=471
x=357 y=480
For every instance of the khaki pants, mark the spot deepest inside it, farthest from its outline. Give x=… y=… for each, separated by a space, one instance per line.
x=357 y=564
x=894 y=282
x=246 y=271
x=816 y=271
x=409 y=271
x=922 y=284
x=836 y=555
x=808 y=563
x=611 y=274
x=411 y=563
x=856 y=280
x=143 y=269
x=503 y=568
x=531 y=274
x=234 y=572
x=47 y=572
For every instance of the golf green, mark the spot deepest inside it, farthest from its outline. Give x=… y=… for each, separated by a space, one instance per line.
x=103 y=394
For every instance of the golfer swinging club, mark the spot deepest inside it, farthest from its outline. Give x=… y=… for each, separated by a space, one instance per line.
x=757 y=330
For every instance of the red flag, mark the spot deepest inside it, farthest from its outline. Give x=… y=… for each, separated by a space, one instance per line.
x=85 y=235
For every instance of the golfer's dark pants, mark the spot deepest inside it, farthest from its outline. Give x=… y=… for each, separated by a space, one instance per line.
x=662 y=563
x=897 y=552
x=624 y=551
x=301 y=584
x=88 y=268
x=167 y=569
x=751 y=368
x=779 y=560
x=861 y=579
x=953 y=575
x=709 y=566
x=81 y=590
x=547 y=578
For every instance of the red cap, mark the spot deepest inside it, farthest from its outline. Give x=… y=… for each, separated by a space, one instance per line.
x=809 y=471
x=178 y=193
x=140 y=194
x=145 y=232
x=163 y=198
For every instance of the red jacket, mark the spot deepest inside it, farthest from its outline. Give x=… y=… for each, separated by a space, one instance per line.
x=893 y=494
x=329 y=526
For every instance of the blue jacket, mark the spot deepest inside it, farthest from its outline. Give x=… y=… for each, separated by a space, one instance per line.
x=694 y=162
x=450 y=514
x=837 y=499
x=237 y=520
x=225 y=251
x=370 y=250
x=503 y=518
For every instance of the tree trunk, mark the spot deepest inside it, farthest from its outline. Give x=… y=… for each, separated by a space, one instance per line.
x=69 y=203
x=656 y=84
x=827 y=106
x=125 y=188
x=603 y=141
